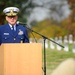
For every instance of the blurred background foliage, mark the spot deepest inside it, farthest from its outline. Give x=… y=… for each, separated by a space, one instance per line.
x=50 y=29
x=47 y=27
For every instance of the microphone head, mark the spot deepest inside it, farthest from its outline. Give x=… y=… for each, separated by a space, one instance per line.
x=18 y=22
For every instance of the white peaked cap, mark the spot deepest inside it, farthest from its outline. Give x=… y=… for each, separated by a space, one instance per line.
x=11 y=11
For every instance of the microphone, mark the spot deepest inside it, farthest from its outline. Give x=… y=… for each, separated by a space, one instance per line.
x=21 y=23
x=37 y=33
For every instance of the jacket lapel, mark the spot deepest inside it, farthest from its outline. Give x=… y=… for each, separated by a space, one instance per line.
x=8 y=29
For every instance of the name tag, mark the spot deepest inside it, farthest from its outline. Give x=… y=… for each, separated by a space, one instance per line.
x=6 y=33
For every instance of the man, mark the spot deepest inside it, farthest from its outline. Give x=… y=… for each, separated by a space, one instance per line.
x=12 y=32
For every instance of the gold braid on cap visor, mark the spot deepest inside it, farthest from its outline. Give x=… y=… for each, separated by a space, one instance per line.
x=11 y=13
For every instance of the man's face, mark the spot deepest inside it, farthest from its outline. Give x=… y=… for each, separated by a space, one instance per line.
x=11 y=19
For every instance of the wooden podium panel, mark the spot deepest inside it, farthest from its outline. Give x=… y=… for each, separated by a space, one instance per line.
x=21 y=59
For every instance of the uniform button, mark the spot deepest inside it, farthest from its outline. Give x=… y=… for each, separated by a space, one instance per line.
x=5 y=37
x=21 y=38
x=14 y=38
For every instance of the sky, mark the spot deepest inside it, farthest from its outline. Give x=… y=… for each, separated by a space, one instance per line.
x=49 y=9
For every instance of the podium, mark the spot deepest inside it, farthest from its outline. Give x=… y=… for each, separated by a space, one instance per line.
x=21 y=59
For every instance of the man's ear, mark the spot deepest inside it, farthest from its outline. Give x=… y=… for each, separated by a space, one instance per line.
x=6 y=18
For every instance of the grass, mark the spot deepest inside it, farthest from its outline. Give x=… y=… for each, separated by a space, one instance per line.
x=55 y=57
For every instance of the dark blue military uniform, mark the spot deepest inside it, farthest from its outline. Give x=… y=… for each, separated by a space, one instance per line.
x=7 y=36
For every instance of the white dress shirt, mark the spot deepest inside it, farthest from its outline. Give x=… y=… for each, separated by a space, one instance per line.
x=12 y=28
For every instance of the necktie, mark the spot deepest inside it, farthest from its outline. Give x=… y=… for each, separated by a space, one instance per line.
x=13 y=29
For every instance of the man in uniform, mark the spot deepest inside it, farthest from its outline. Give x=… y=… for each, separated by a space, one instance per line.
x=12 y=32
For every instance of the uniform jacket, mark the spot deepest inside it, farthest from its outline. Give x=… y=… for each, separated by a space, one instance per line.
x=7 y=36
